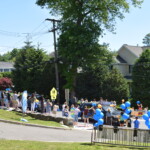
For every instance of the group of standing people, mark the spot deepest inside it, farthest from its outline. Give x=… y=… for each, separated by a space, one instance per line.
x=10 y=99
x=74 y=111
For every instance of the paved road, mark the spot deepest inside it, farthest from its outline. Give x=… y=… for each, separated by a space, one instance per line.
x=20 y=132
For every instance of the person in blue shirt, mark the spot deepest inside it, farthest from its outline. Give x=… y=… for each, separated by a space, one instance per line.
x=136 y=127
x=136 y=123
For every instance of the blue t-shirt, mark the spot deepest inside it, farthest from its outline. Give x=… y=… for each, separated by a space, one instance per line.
x=136 y=124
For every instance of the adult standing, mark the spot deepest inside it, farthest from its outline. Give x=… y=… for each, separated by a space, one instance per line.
x=48 y=107
x=72 y=111
x=9 y=98
x=33 y=98
x=15 y=100
x=42 y=99
x=136 y=127
x=74 y=100
x=76 y=112
x=2 y=98
x=121 y=120
x=6 y=100
x=136 y=123
x=63 y=108
x=108 y=117
x=129 y=121
x=24 y=102
x=140 y=106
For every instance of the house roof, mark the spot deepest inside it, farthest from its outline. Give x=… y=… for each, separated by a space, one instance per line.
x=119 y=59
x=6 y=65
x=136 y=50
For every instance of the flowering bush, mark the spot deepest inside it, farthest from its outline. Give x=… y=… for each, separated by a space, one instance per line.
x=5 y=83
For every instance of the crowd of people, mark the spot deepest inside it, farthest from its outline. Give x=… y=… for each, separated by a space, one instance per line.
x=70 y=109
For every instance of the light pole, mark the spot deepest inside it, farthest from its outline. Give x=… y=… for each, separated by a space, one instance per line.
x=56 y=57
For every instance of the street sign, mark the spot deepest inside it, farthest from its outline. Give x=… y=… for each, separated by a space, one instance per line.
x=67 y=95
x=53 y=94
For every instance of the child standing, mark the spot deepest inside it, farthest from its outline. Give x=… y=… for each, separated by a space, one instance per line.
x=66 y=111
x=85 y=116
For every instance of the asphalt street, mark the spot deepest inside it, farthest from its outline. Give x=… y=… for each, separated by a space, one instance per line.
x=21 y=132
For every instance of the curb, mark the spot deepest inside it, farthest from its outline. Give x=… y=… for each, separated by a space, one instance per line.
x=33 y=125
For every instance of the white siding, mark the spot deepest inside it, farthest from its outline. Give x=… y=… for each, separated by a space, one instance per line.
x=128 y=56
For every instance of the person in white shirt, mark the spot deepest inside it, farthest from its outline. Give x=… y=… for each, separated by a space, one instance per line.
x=55 y=108
x=76 y=112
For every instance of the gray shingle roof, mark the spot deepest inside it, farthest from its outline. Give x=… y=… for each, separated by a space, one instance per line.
x=136 y=50
x=6 y=65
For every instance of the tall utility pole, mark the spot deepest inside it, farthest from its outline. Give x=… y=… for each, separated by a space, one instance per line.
x=56 y=56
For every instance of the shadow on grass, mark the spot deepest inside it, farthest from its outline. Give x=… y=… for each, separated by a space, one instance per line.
x=18 y=113
x=117 y=146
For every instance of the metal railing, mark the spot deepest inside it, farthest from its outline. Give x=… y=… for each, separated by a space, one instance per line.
x=121 y=136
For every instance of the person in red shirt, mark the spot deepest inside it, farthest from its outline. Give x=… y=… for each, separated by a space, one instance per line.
x=85 y=116
x=139 y=106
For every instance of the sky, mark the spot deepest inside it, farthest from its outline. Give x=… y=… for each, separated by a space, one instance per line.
x=23 y=20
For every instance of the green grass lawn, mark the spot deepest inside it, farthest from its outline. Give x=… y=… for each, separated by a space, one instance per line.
x=16 y=116
x=32 y=145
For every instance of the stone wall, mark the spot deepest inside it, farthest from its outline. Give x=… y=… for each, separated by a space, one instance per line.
x=66 y=121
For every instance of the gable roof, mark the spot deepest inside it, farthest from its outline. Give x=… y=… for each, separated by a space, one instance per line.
x=120 y=59
x=6 y=65
x=136 y=50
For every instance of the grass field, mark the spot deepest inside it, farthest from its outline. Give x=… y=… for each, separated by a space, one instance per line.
x=32 y=145
x=16 y=116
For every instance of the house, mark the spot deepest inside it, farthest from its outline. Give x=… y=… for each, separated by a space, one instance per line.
x=6 y=66
x=126 y=58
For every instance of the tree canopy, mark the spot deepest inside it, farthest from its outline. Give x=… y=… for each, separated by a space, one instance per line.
x=102 y=13
x=141 y=79
x=82 y=23
x=9 y=56
x=28 y=69
x=146 y=39
x=115 y=86
x=102 y=82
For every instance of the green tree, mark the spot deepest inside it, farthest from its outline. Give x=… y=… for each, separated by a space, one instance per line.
x=9 y=56
x=5 y=57
x=82 y=22
x=146 y=39
x=141 y=80
x=28 y=69
x=90 y=82
x=102 y=82
x=6 y=74
x=115 y=86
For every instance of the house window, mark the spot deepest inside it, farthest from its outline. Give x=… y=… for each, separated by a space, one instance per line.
x=6 y=70
x=1 y=70
x=130 y=68
x=111 y=67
